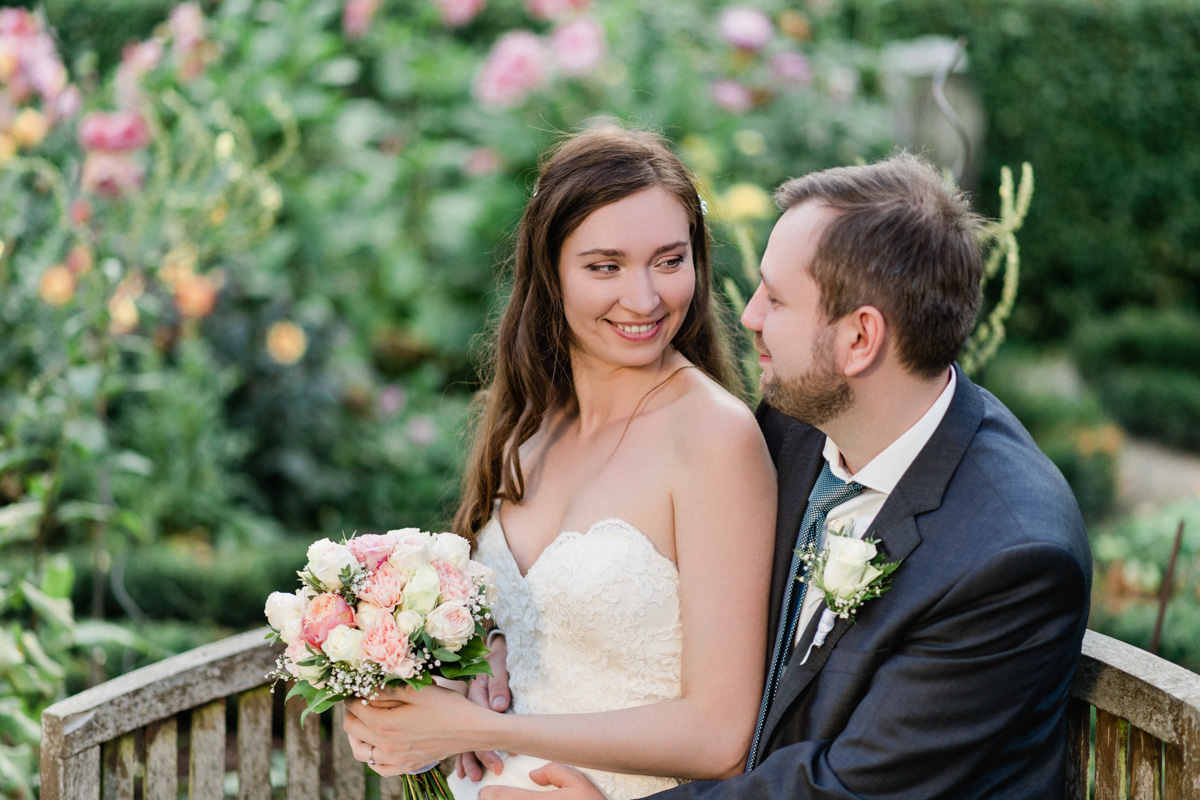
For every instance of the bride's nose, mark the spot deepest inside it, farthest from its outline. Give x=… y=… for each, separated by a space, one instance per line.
x=640 y=296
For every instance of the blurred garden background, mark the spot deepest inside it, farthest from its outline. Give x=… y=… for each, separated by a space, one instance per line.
x=249 y=248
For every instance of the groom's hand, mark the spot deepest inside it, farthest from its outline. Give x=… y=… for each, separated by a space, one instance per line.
x=489 y=691
x=571 y=785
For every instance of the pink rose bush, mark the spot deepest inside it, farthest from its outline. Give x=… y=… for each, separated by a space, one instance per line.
x=517 y=65
x=377 y=610
x=745 y=28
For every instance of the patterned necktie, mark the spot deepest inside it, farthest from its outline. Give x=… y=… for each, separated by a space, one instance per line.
x=829 y=492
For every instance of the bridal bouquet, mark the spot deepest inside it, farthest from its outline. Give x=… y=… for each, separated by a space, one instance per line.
x=381 y=610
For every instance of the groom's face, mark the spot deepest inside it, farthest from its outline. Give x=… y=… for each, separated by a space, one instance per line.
x=796 y=344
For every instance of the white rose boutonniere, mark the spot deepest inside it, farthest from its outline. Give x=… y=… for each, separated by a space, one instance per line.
x=849 y=572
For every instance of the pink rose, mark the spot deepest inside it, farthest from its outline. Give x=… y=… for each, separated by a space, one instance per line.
x=456 y=13
x=451 y=625
x=455 y=587
x=356 y=17
x=745 y=28
x=731 y=96
x=388 y=647
x=324 y=613
x=515 y=67
x=372 y=549
x=578 y=45
x=111 y=174
x=555 y=9
x=384 y=587
x=482 y=161
x=792 y=66
x=116 y=130
x=296 y=652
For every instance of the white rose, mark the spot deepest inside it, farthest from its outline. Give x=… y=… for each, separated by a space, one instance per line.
x=285 y=607
x=413 y=549
x=342 y=644
x=407 y=622
x=452 y=548
x=296 y=652
x=369 y=615
x=291 y=629
x=451 y=625
x=327 y=559
x=421 y=591
x=848 y=569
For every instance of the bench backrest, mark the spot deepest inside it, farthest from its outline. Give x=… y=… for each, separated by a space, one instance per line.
x=1142 y=711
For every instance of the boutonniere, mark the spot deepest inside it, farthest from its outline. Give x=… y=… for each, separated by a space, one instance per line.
x=849 y=572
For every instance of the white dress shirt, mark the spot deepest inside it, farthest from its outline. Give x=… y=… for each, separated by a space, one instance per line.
x=880 y=475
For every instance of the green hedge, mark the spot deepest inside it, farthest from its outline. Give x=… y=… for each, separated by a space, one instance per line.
x=1101 y=97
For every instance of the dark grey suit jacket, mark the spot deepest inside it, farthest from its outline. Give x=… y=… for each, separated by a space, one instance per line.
x=954 y=683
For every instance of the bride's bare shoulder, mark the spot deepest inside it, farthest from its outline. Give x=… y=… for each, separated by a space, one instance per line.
x=708 y=420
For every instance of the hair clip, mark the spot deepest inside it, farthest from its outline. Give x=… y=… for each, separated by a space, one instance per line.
x=703 y=206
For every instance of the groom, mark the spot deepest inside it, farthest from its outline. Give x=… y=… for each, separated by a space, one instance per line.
x=952 y=683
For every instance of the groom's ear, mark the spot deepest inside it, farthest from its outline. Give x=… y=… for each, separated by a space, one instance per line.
x=863 y=333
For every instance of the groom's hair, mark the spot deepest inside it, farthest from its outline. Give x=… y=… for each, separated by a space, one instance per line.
x=904 y=241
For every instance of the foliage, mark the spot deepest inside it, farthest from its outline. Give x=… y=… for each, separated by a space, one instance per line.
x=1143 y=365
x=1117 y=221
x=1131 y=561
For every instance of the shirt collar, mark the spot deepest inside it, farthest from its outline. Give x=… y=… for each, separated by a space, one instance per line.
x=885 y=470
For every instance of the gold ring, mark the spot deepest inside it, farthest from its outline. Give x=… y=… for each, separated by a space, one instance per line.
x=371 y=756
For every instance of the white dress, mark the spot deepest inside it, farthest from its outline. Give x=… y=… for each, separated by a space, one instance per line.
x=594 y=626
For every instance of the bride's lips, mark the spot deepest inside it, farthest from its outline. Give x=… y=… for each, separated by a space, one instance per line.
x=636 y=331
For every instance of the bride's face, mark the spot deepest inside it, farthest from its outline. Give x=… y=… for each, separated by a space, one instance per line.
x=627 y=278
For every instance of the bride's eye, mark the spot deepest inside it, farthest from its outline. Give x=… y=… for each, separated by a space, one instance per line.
x=603 y=269
x=672 y=263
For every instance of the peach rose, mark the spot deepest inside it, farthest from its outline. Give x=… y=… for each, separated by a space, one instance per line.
x=451 y=625
x=384 y=587
x=324 y=613
x=372 y=549
x=296 y=652
x=455 y=587
x=387 y=646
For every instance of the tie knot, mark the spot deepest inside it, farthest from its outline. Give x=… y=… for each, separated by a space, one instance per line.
x=830 y=491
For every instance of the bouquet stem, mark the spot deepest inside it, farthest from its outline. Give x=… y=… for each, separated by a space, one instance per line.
x=427 y=785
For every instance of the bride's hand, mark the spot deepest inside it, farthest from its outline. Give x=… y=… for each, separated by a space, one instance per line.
x=488 y=691
x=404 y=730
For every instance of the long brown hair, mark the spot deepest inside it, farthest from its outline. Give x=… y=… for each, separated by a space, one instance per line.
x=529 y=366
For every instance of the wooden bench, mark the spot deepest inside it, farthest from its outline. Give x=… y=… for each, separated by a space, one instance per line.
x=131 y=736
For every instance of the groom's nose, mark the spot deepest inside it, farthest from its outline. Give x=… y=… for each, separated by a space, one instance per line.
x=752 y=316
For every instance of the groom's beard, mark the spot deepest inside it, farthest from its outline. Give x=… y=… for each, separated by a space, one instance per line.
x=815 y=397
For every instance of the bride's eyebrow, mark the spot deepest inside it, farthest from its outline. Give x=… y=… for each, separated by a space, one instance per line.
x=610 y=253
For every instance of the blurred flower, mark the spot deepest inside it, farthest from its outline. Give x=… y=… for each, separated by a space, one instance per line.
x=700 y=154
x=482 y=161
x=29 y=62
x=356 y=17
x=731 y=96
x=112 y=173
x=392 y=399
x=8 y=147
x=286 y=342
x=178 y=264
x=515 y=67
x=196 y=295
x=792 y=66
x=116 y=130
x=80 y=212
x=192 y=50
x=79 y=259
x=422 y=430
x=123 y=315
x=750 y=142
x=57 y=286
x=459 y=12
x=744 y=202
x=795 y=24
x=555 y=9
x=745 y=28
x=578 y=45
x=843 y=83
x=29 y=128
x=136 y=60
x=69 y=102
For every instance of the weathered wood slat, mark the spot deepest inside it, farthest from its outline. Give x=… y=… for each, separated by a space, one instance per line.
x=206 y=764
x=254 y=744
x=1079 y=720
x=1173 y=774
x=1145 y=765
x=159 y=690
x=162 y=760
x=303 y=747
x=349 y=779
x=119 y=765
x=1110 y=757
x=74 y=777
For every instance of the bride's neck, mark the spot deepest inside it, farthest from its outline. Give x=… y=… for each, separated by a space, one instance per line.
x=605 y=393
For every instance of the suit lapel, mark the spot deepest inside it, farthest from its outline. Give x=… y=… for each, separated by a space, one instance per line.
x=920 y=490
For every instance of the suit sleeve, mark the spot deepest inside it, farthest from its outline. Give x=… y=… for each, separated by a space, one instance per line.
x=983 y=672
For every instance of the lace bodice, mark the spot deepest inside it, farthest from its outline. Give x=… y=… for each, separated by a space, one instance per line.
x=594 y=626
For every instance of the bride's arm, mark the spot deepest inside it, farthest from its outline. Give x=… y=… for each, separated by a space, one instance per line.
x=724 y=507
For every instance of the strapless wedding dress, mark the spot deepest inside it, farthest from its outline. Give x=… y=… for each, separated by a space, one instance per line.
x=594 y=626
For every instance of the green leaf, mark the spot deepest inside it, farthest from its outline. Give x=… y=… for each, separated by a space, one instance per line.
x=59 y=576
x=55 y=610
x=443 y=655
x=16 y=725
x=460 y=671
x=38 y=658
x=15 y=764
x=17 y=521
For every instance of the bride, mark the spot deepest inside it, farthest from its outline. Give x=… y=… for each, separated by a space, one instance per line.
x=624 y=498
